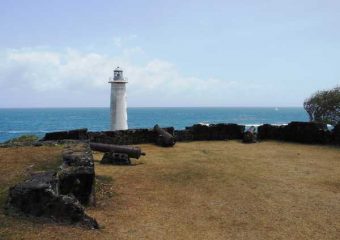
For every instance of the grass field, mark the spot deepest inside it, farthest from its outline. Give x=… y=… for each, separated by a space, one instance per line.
x=198 y=190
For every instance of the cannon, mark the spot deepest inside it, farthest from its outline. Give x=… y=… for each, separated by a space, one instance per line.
x=250 y=135
x=163 y=138
x=131 y=151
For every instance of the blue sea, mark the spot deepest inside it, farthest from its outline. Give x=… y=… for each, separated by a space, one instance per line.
x=38 y=121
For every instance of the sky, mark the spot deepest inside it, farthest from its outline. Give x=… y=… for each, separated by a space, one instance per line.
x=60 y=53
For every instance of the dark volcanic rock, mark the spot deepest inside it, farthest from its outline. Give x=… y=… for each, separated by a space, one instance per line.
x=306 y=132
x=76 y=134
x=201 y=132
x=123 y=137
x=183 y=135
x=38 y=197
x=268 y=131
x=77 y=174
x=78 y=181
x=232 y=131
x=126 y=137
x=79 y=154
x=56 y=136
x=58 y=195
x=303 y=132
x=217 y=131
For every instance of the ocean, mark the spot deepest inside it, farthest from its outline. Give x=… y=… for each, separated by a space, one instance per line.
x=38 y=121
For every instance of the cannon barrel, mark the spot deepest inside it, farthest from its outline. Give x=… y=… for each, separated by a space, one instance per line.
x=163 y=138
x=250 y=136
x=131 y=151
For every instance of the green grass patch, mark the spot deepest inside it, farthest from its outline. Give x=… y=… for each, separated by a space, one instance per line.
x=23 y=139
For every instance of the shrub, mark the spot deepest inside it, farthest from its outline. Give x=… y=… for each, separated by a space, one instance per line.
x=324 y=106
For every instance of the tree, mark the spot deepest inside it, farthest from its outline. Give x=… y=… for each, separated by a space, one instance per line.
x=324 y=106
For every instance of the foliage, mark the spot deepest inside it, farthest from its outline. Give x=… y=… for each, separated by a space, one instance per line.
x=324 y=106
x=23 y=139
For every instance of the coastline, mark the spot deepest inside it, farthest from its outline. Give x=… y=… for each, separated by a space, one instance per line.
x=38 y=121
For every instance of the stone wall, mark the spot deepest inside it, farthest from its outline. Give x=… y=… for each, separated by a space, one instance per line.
x=303 y=132
x=126 y=137
x=77 y=174
x=306 y=132
x=58 y=195
x=195 y=132
x=219 y=131
x=183 y=135
x=267 y=131
x=76 y=134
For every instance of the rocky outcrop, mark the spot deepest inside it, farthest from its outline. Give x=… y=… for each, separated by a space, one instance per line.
x=38 y=197
x=58 y=195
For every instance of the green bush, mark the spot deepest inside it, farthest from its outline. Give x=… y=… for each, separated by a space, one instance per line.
x=324 y=106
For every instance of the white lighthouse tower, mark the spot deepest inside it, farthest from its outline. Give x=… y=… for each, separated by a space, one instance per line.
x=118 y=101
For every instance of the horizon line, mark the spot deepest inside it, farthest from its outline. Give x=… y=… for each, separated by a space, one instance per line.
x=159 y=107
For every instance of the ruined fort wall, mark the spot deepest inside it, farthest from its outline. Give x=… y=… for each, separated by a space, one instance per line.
x=302 y=132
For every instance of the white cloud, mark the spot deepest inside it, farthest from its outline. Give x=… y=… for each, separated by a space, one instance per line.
x=81 y=79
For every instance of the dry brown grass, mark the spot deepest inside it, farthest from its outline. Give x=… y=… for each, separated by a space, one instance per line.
x=18 y=162
x=207 y=190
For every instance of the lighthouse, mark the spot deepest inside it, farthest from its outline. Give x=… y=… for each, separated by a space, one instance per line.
x=118 y=100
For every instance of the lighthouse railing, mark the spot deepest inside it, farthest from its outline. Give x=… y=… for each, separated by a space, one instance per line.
x=111 y=79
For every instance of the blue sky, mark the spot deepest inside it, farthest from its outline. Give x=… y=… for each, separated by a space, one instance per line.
x=174 y=53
